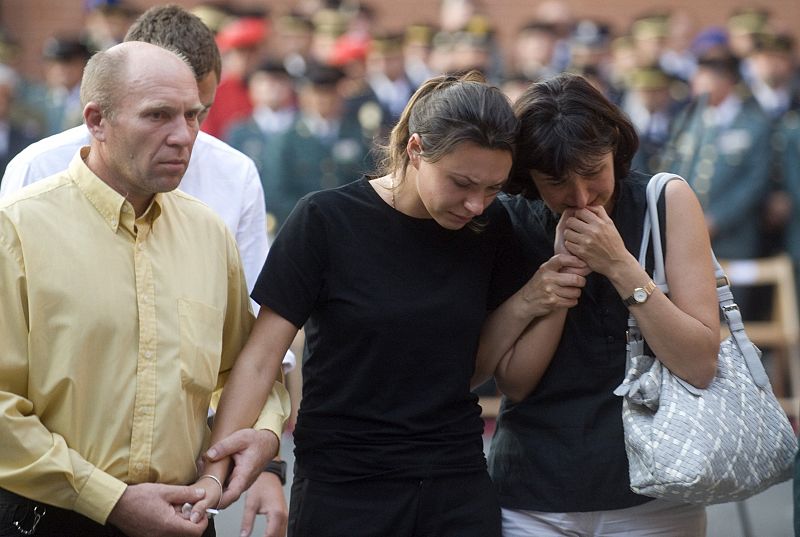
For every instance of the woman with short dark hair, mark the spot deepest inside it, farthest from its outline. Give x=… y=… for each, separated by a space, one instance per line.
x=558 y=455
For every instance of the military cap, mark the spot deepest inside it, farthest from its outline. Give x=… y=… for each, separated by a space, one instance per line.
x=648 y=77
x=245 y=32
x=723 y=63
x=329 y=22
x=347 y=49
x=294 y=21
x=386 y=43
x=709 y=39
x=748 y=20
x=591 y=33
x=322 y=75
x=773 y=42
x=272 y=66
x=212 y=16
x=64 y=49
x=419 y=34
x=650 y=26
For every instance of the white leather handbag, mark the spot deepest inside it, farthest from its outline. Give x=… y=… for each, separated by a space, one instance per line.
x=703 y=446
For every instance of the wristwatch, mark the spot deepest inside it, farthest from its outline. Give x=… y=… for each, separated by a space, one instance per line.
x=640 y=294
x=278 y=468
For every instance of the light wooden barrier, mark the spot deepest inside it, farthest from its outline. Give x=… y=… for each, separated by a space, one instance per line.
x=780 y=333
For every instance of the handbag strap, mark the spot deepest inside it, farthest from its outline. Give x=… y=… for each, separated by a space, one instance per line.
x=730 y=311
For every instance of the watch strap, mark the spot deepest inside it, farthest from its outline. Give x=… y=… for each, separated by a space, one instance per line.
x=649 y=287
x=278 y=468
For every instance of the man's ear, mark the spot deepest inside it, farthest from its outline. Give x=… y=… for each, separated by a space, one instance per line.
x=95 y=120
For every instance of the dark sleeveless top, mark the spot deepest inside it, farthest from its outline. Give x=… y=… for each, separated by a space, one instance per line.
x=562 y=448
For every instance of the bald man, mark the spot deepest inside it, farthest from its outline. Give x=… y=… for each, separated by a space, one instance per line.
x=124 y=305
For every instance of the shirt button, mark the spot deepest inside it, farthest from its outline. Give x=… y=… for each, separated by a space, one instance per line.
x=148 y=354
x=139 y=466
x=610 y=339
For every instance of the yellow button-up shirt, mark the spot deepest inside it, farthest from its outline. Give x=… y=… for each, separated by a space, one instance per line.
x=114 y=332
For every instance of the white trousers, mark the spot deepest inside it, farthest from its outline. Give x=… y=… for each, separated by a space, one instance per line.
x=655 y=518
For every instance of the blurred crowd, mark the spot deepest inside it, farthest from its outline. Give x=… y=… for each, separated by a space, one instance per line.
x=308 y=92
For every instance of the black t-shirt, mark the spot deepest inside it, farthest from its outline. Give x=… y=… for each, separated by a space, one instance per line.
x=562 y=448
x=392 y=308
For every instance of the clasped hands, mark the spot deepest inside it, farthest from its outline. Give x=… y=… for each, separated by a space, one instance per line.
x=590 y=235
x=586 y=241
x=249 y=451
x=156 y=509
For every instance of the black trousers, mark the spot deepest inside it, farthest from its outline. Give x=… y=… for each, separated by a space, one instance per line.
x=20 y=516
x=449 y=506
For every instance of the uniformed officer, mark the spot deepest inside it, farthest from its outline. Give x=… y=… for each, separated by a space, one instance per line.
x=323 y=148
x=721 y=145
x=652 y=101
x=271 y=91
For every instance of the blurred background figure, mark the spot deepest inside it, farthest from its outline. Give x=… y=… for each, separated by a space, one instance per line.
x=533 y=52
x=106 y=23
x=360 y=20
x=293 y=34
x=466 y=37
x=329 y=25
x=558 y=14
x=417 y=46
x=649 y=33
x=776 y=87
x=623 y=61
x=455 y=14
x=322 y=149
x=677 y=58
x=27 y=94
x=360 y=101
x=743 y=25
x=59 y=100
x=789 y=154
x=14 y=136
x=652 y=108
x=590 y=47
x=709 y=43
x=514 y=84
x=590 y=55
x=241 y=43
x=721 y=145
x=441 y=59
x=473 y=48
x=271 y=92
x=213 y=15
x=773 y=67
x=386 y=74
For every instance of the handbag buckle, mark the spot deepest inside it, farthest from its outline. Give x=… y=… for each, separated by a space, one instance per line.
x=730 y=307
x=632 y=336
x=723 y=281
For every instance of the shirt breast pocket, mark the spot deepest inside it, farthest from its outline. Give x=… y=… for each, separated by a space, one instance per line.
x=200 y=345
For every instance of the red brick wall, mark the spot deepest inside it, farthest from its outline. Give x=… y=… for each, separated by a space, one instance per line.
x=32 y=21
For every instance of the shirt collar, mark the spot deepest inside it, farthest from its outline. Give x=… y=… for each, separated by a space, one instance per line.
x=727 y=110
x=110 y=204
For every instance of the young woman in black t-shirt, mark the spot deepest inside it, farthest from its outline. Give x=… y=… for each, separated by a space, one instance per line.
x=392 y=278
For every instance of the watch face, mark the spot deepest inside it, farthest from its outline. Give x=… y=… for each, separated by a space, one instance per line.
x=640 y=295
